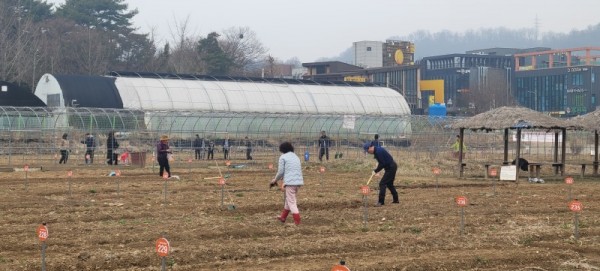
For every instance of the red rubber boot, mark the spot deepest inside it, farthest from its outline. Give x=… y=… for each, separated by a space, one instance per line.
x=284 y=215
x=296 y=218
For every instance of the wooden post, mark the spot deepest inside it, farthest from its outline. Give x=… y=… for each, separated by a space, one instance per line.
x=460 y=151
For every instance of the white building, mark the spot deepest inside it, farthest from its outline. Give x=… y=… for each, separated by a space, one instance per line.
x=368 y=54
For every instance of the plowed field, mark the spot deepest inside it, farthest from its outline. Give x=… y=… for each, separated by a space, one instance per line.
x=97 y=222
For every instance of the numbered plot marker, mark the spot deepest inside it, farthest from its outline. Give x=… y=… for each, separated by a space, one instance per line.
x=221 y=181
x=70 y=173
x=461 y=201
x=575 y=206
x=340 y=267
x=162 y=247
x=365 y=190
x=493 y=172
x=270 y=166
x=26 y=168
x=189 y=160
x=569 y=180
x=322 y=169
x=165 y=175
x=228 y=163
x=42 y=232
x=436 y=171
x=118 y=173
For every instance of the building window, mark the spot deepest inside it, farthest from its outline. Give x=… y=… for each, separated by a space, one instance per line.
x=321 y=70
x=53 y=100
x=369 y=49
x=577 y=79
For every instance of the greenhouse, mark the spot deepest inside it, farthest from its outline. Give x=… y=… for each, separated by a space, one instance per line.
x=184 y=104
x=172 y=92
x=141 y=107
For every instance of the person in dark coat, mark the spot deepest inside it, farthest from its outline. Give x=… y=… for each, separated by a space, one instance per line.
x=211 y=151
x=324 y=143
x=198 y=145
x=111 y=149
x=90 y=147
x=248 y=149
x=162 y=155
x=384 y=161
x=375 y=141
x=523 y=164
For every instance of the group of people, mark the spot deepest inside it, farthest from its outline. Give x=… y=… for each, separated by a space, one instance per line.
x=290 y=167
x=200 y=147
x=90 y=147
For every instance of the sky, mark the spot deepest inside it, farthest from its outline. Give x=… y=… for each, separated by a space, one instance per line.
x=311 y=29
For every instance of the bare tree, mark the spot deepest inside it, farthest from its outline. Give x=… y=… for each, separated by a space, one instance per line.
x=488 y=89
x=73 y=49
x=243 y=47
x=183 y=57
x=18 y=44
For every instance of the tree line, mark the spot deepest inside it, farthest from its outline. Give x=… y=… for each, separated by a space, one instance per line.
x=91 y=37
x=448 y=42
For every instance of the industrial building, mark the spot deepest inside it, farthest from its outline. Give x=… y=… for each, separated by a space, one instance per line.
x=376 y=54
x=466 y=78
x=560 y=82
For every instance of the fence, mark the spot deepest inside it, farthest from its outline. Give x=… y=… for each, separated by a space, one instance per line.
x=31 y=135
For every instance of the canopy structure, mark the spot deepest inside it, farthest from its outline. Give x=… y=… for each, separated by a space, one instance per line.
x=518 y=118
x=590 y=122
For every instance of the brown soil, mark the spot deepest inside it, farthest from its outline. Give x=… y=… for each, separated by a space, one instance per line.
x=97 y=227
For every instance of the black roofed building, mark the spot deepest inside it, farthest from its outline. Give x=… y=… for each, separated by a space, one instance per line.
x=329 y=70
x=79 y=91
x=13 y=95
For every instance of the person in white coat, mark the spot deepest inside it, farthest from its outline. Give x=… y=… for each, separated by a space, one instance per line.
x=290 y=171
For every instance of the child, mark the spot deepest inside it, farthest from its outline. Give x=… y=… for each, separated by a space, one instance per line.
x=290 y=167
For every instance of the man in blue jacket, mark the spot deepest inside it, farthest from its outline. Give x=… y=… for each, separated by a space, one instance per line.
x=384 y=161
x=90 y=146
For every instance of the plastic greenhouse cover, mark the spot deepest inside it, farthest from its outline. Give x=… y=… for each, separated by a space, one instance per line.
x=230 y=96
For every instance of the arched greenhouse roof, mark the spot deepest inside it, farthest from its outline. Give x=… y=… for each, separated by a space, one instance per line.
x=185 y=92
x=78 y=91
x=13 y=95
